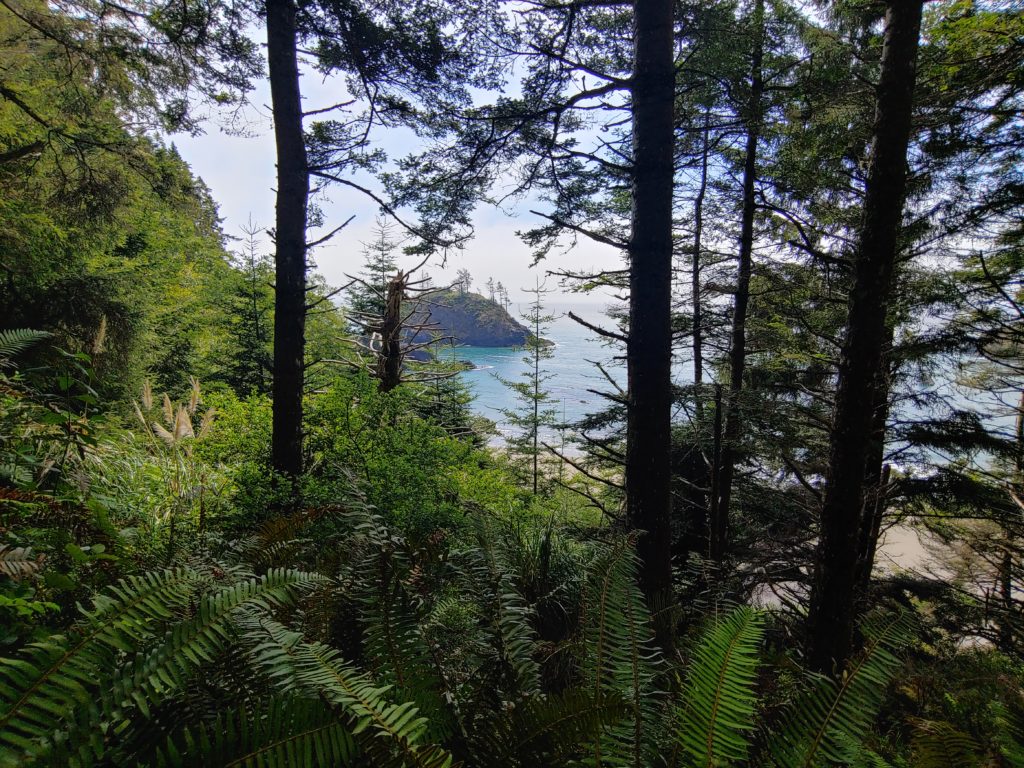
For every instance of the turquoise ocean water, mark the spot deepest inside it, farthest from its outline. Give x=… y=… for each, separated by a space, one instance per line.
x=572 y=376
x=571 y=373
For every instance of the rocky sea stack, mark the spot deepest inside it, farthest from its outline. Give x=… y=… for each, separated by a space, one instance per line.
x=473 y=320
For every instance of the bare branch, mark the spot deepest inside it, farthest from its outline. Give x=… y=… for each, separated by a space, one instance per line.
x=330 y=234
x=598 y=329
x=620 y=244
x=582 y=470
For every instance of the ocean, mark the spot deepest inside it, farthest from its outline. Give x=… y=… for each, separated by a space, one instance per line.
x=571 y=371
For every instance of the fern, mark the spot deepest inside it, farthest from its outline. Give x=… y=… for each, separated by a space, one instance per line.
x=78 y=687
x=393 y=641
x=938 y=744
x=1010 y=734
x=282 y=732
x=518 y=637
x=57 y=675
x=826 y=724
x=719 y=696
x=544 y=730
x=619 y=660
x=15 y=341
x=297 y=666
x=18 y=562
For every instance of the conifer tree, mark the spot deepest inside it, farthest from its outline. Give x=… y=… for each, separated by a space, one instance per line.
x=535 y=412
x=832 y=615
x=252 y=323
x=368 y=294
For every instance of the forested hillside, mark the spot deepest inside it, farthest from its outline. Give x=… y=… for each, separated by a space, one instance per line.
x=248 y=518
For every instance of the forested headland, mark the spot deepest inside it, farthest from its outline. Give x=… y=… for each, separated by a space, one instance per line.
x=250 y=518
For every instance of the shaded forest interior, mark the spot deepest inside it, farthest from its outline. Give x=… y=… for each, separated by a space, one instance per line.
x=249 y=518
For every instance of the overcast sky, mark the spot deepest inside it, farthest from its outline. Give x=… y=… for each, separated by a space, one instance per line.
x=239 y=169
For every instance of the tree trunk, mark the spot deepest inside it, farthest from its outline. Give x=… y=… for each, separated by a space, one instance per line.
x=289 y=238
x=832 y=612
x=649 y=350
x=738 y=344
x=876 y=476
x=389 y=364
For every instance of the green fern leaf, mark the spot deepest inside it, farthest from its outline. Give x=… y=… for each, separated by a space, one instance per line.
x=78 y=691
x=719 y=696
x=392 y=731
x=15 y=341
x=619 y=658
x=829 y=721
x=1010 y=733
x=56 y=676
x=937 y=744
x=280 y=733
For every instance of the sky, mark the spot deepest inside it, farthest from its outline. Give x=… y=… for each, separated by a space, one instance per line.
x=239 y=169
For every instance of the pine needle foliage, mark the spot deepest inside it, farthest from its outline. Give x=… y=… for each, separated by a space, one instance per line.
x=720 y=699
x=826 y=724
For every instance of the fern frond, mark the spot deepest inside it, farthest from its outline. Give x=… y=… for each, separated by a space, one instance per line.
x=719 y=696
x=938 y=744
x=17 y=340
x=18 y=562
x=55 y=676
x=831 y=718
x=394 y=645
x=620 y=660
x=1010 y=733
x=514 y=636
x=197 y=641
x=80 y=688
x=545 y=731
x=313 y=668
x=280 y=733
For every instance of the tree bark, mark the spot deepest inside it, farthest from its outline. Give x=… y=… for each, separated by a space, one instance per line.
x=389 y=364
x=649 y=349
x=832 y=611
x=289 y=238
x=738 y=342
x=876 y=477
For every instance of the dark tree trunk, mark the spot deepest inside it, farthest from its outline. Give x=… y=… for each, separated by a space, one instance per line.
x=289 y=238
x=832 y=612
x=871 y=528
x=649 y=350
x=738 y=342
x=389 y=364
x=876 y=476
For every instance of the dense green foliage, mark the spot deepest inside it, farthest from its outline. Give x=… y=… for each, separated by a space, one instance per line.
x=413 y=597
